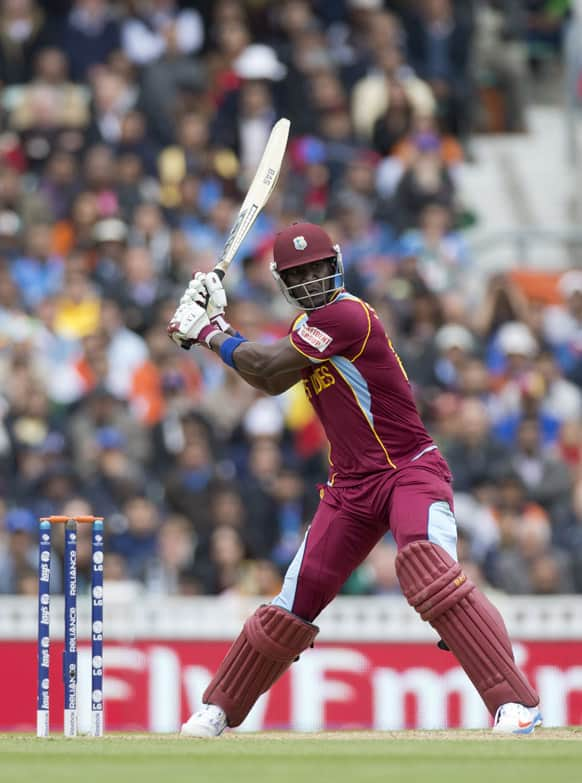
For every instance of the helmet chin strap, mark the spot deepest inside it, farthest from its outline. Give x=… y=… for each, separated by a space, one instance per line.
x=290 y=292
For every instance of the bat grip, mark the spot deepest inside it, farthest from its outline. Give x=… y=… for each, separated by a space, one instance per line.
x=219 y=272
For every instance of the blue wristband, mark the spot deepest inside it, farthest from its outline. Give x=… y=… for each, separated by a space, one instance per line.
x=228 y=347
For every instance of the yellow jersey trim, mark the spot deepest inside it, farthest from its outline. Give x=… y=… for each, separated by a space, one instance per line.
x=296 y=321
x=307 y=356
x=367 y=337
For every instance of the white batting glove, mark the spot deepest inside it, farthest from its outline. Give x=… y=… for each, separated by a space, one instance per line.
x=207 y=291
x=217 y=296
x=190 y=324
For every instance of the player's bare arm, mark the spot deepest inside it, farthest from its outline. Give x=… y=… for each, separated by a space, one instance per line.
x=272 y=386
x=268 y=362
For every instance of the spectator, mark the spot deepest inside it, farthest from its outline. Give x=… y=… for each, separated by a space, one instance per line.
x=525 y=561
x=383 y=573
x=194 y=139
x=143 y=289
x=109 y=241
x=20 y=555
x=423 y=129
x=427 y=181
x=394 y=124
x=104 y=418
x=545 y=21
x=364 y=242
x=246 y=117
x=59 y=183
x=232 y=38
x=503 y=302
x=359 y=181
x=563 y=325
x=262 y=578
x=567 y=531
x=162 y=38
x=77 y=307
x=439 y=42
x=454 y=344
x=228 y=554
x=158 y=27
x=293 y=509
x=14 y=323
x=132 y=186
x=227 y=405
x=545 y=476
x=371 y=96
x=134 y=142
x=55 y=354
x=19 y=210
x=474 y=456
x=77 y=231
x=89 y=35
x=136 y=539
x=520 y=389
x=23 y=31
x=151 y=232
x=37 y=273
x=188 y=488
x=113 y=98
x=176 y=550
x=442 y=254
x=99 y=179
x=562 y=398
x=57 y=485
x=500 y=56
x=50 y=108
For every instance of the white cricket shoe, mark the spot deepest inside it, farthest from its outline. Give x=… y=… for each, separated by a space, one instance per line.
x=514 y=718
x=209 y=721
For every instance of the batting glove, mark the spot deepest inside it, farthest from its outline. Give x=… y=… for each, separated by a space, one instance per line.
x=190 y=324
x=207 y=291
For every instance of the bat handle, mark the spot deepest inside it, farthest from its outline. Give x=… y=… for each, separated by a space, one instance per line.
x=219 y=272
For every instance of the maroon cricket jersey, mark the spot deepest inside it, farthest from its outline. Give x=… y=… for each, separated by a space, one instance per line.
x=359 y=390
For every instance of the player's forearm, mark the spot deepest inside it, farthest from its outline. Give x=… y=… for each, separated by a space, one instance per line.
x=272 y=386
x=262 y=384
x=255 y=359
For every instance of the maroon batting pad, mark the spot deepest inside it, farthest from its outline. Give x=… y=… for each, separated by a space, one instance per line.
x=472 y=628
x=268 y=644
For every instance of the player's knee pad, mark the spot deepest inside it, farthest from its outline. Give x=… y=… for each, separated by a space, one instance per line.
x=269 y=642
x=435 y=585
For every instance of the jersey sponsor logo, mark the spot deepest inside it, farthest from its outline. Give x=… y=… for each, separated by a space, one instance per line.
x=314 y=337
x=299 y=243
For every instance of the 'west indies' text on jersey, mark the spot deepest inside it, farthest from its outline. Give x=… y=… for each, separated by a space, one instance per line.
x=359 y=390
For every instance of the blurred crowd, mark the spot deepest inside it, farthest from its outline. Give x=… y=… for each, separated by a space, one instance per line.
x=129 y=132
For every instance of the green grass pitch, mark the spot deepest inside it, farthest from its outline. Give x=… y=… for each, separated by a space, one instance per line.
x=550 y=756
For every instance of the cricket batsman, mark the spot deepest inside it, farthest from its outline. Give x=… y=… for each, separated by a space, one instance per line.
x=385 y=473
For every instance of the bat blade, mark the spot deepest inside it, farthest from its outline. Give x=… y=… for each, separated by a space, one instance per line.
x=258 y=193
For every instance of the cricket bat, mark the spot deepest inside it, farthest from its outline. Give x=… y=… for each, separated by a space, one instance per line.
x=258 y=193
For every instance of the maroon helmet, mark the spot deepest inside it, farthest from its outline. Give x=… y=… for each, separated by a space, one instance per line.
x=300 y=244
